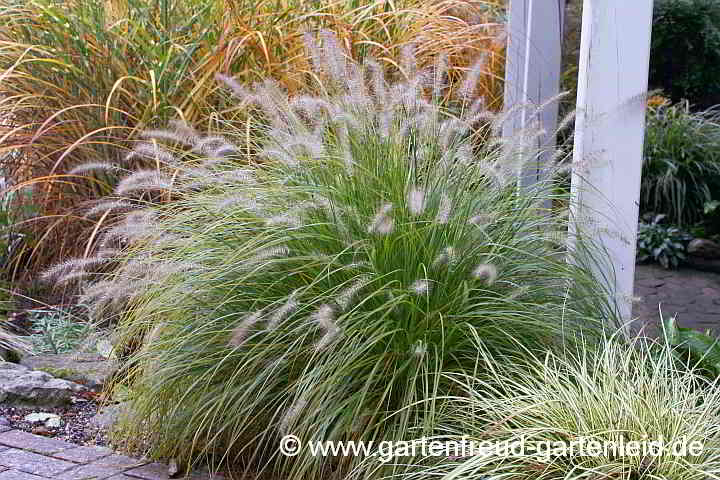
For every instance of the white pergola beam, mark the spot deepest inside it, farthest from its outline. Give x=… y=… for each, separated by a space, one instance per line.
x=532 y=74
x=609 y=134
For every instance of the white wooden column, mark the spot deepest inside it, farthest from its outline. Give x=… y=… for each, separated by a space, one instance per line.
x=609 y=134
x=532 y=74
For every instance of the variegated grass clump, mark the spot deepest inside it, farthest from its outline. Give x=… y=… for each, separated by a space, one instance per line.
x=323 y=291
x=628 y=410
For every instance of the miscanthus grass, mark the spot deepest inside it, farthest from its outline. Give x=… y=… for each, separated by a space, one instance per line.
x=330 y=287
x=626 y=410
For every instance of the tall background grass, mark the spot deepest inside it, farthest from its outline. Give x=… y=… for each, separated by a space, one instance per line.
x=79 y=80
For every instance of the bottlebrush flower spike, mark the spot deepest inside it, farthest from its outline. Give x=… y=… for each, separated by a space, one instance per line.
x=347 y=296
x=241 y=332
x=444 y=210
x=444 y=259
x=382 y=223
x=292 y=414
x=283 y=312
x=416 y=201
x=94 y=166
x=420 y=287
x=486 y=272
x=325 y=318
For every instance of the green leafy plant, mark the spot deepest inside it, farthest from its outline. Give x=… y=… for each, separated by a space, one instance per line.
x=57 y=331
x=701 y=349
x=685 y=51
x=710 y=207
x=681 y=166
x=324 y=286
x=661 y=243
x=657 y=242
x=547 y=407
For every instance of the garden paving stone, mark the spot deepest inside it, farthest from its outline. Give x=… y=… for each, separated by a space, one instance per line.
x=152 y=471
x=34 y=443
x=15 y=475
x=159 y=471
x=121 y=462
x=692 y=294
x=83 y=454
x=90 y=471
x=34 y=463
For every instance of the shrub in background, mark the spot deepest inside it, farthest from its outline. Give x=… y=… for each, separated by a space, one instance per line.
x=661 y=243
x=685 y=50
x=323 y=291
x=81 y=79
x=681 y=166
x=621 y=393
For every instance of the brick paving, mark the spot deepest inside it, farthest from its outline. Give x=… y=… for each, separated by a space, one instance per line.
x=24 y=456
x=693 y=296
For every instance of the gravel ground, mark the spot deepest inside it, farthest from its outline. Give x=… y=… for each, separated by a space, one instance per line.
x=75 y=427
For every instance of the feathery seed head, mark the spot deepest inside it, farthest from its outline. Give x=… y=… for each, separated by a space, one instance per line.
x=292 y=414
x=325 y=318
x=443 y=214
x=347 y=296
x=241 y=332
x=445 y=259
x=486 y=272
x=439 y=80
x=481 y=220
x=143 y=180
x=248 y=203
x=239 y=91
x=166 y=135
x=153 y=152
x=94 y=166
x=420 y=287
x=73 y=277
x=267 y=254
x=283 y=312
x=290 y=218
x=420 y=349
x=416 y=201
x=471 y=79
x=215 y=147
x=382 y=223
x=111 y=205
x=72 y=266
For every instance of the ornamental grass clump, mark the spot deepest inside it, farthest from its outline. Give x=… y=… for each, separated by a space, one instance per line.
x=626 y=410
x=325 y=284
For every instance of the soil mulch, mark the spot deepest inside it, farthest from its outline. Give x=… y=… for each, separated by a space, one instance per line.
x=75 y=427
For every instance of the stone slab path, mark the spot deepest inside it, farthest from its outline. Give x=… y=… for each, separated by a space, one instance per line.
x=24 y=456
x=693 y=296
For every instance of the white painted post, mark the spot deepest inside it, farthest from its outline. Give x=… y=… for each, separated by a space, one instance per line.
x=532 y=74
x=609 y=134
